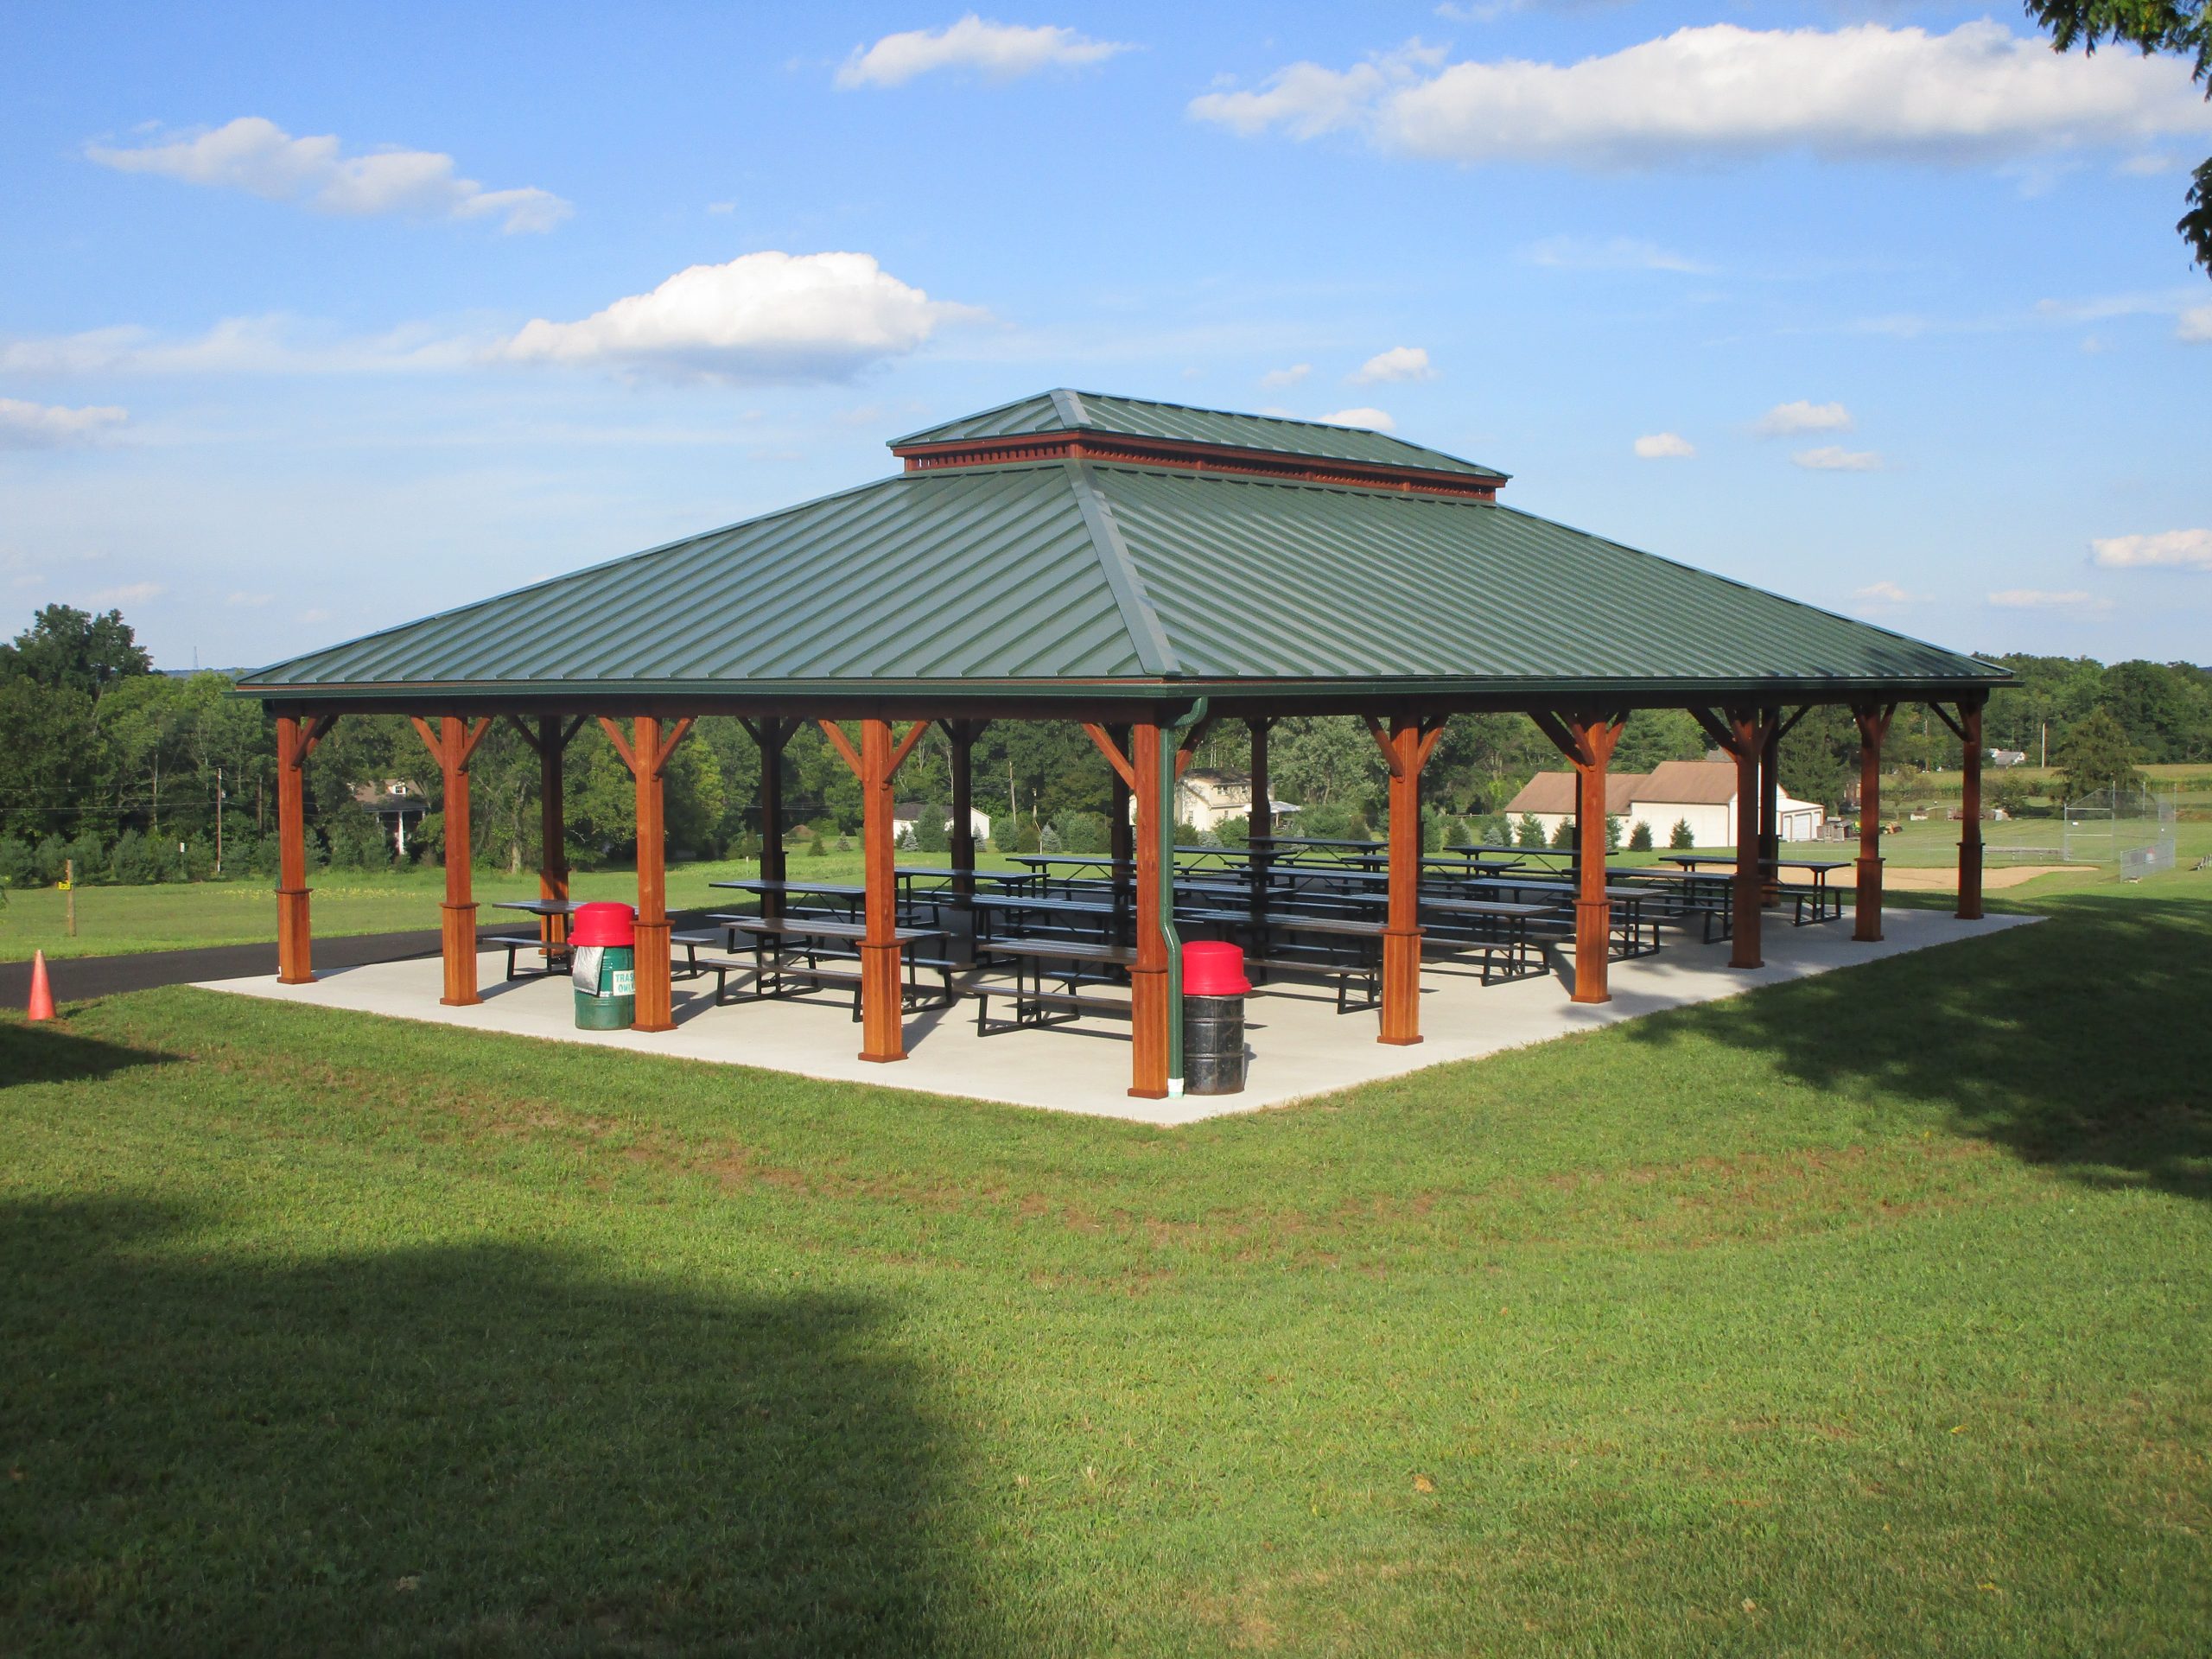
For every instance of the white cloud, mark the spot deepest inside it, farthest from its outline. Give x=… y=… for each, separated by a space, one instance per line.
x=265 y=344
x=1000 y=51
x=1289 y=377
x=2179 y=549
x=2195 y=324
x=130 y=593
x=1363 y=417
x=1887 y=592
x=1608 y=253
x=261 y=158
x=1399 y=363
x=46 y=426
x=2038 y=599
x=1787 y=419
x=1834 y=458
x=249 y=600
x=1721 y=92
x=1664 y=446
x=761 y=317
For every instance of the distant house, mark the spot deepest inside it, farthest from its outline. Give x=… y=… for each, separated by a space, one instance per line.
x=906 y=819
x=1206 y=799
x=398 y=806
x=1699 y=792
x=2008 y=757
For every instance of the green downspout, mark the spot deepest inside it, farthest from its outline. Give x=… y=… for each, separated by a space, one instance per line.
x=1171 y=738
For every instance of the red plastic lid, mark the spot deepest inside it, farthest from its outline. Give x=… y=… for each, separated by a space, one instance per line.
x=603 y=923
x=1213 y=969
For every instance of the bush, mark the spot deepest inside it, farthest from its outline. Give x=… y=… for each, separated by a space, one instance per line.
x=357 y=840
x=1639 y=839
x=817 y=846
x=1458 y=834
x=136 y=861
x=932 y=830
x=17 y=868
x=1613 y=832
x=1531 y=832
x=1082 y=832
x=1563 y=836
x=1231 y=832
x=1680 y=838
x=1048 y=839
x=1025 y=838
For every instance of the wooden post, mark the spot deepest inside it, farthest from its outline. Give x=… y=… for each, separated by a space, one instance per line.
x=1260 y=822
x=962 y=735
x=552 y=828
x=295 y=946
x=876 y=763
x=1406 y=748
x=1970 y=811
x=1750 y=744
x=1874 y=721
x=450 y=746
x=1771 y=810
x=1148 y=978
x=1587 y=741
x=770 y=734
x=656 y=1009
x=1120 y=822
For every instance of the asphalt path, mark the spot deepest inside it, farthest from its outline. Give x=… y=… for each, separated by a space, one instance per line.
x=76 y=978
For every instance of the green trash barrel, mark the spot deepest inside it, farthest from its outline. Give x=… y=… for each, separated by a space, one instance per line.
x=603 y=966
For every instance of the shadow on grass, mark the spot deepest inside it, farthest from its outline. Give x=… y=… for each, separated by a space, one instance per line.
x=52 y=1052
x=491 y=1449
x=2079 y=1043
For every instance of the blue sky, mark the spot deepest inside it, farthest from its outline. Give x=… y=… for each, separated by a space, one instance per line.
x=305 y=326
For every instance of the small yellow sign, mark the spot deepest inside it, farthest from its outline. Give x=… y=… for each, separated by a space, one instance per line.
x=63 y=886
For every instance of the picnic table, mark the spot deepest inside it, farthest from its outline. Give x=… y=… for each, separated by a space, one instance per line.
x=543 y=942
x=1070 y=965
x=1274 y=934
x=1815 y=902
x=777 y=941
x=1494 y=927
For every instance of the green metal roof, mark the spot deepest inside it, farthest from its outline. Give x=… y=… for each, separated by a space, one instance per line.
x=1076 y=578
x=1091 y=411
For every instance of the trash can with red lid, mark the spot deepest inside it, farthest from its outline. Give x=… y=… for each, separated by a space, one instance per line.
x=603 y=966
x=1213 y=1019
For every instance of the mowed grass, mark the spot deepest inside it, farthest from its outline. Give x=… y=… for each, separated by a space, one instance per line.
x=1863 y=1315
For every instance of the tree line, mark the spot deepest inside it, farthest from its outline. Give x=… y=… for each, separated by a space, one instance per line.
x=135 y=776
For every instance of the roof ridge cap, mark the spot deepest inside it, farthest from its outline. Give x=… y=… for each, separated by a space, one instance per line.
x=1146 y=636
x=1068 y=405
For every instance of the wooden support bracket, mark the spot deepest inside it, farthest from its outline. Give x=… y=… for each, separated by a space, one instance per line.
x=1103 y=741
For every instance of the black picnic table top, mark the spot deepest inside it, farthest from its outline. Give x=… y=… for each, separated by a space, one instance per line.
x=826 y=889
x=542 y=907
x=818 y=927
x=1278 y=921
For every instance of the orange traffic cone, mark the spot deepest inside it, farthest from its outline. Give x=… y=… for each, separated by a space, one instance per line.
x=41 y=993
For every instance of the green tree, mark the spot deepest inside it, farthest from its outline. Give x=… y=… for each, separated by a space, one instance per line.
x=1639 y=839
x=1530 y=831
x=2181 y=26
x=65 y=646
x=1680 y=839
x=2095 y=753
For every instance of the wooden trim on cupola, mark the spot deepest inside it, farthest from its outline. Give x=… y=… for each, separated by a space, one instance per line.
x=1119 y=448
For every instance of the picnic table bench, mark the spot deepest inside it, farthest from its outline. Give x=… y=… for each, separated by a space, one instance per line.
x=1276 y=950
x=515 y=944
x=1070 y=965
x=787 y=954
x=1497 y=932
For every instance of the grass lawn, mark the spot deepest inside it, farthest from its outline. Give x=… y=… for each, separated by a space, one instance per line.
x=114 y=921
x=1866 y=1314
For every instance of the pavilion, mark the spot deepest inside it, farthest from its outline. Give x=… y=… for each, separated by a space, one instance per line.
x=1147 y=570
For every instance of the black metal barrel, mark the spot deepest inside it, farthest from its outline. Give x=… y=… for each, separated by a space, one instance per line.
x=1213 y=1045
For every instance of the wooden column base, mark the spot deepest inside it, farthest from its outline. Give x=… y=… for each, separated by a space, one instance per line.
x=1149 y=1033
x=1593 y=950
x=295 y=942
x=1745 y=952
x=656 y=1000
x=1400 y=988
x=1866 y=903
x=459 y=925
x=883 y=1027
x=1969 y=881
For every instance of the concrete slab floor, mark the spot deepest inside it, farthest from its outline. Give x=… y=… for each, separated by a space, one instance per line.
x=1300 y=1046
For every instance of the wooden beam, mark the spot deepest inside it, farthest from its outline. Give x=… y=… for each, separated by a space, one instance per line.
x=314 y=733
x=1715 y=729
x=1393 y=762
x=844 y=745
x=1748 y=729
x=882 y=1011
x=1791 y=724
x=522 y=730
x=458 y=910
x=1402 y=753
x=1957 y=730
x=1148 y=1013
x=904 y=747
x=552 y=829
x=1561 y=735
x=430 y=740
x=1970 y=812
x=473 y=735
x=676 y=735
x=622 y=744
x=1103 y=741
